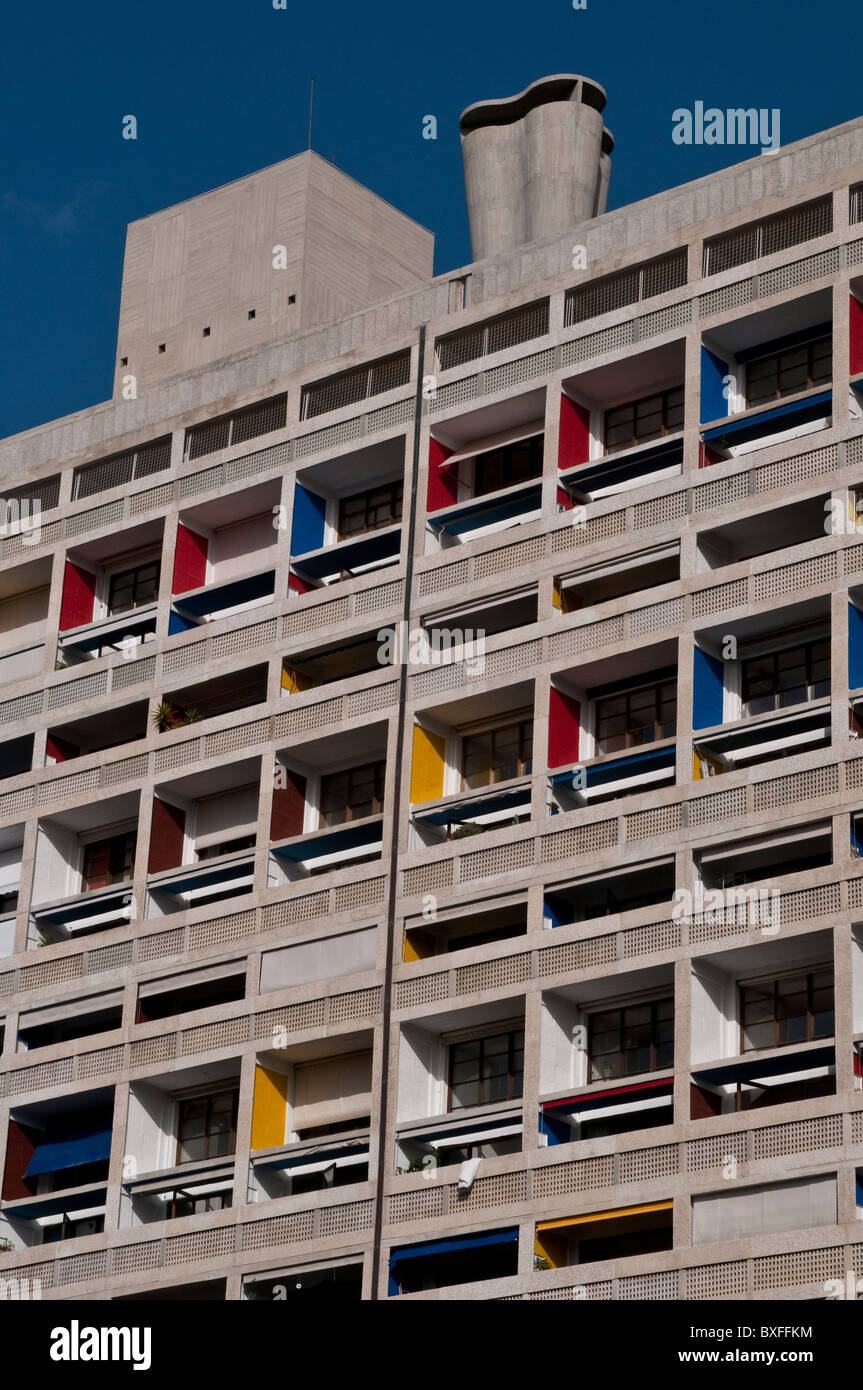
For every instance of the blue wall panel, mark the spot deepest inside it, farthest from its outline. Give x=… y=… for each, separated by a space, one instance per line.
x=708 y=686
x=713 y=403
x=307 y=529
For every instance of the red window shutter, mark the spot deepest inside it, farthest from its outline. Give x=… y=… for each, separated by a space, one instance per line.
x=574 y=440
x=97 y=867
x=190 y=560
x=79 y=593
x=289 y=806
x=167 y=836
x=855 y=354
x=297 y=585
x=442 y=489
x=563 y=499
x=563 y=729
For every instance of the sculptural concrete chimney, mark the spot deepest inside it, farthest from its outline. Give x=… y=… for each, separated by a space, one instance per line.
x=536 y=164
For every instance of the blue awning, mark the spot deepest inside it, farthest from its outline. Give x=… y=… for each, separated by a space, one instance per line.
x=85 y=905
x=452 y=1245
x=484 y=511
x=331 y=841
x=71 y=1150
x=474 y=806
x=218 y=596
x=600 y=773
x=350 y=554
x=113 y=630
x=751 y=1068
x=206 y=878
x=751 y=426
x=623 y=466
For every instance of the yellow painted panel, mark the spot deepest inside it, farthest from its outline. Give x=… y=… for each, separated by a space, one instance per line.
x=556 y=599
x=603 y=1215
x=427 y=765
x=696 y=766
x=550 y=1250
x=269 y=1109
x=294 y=681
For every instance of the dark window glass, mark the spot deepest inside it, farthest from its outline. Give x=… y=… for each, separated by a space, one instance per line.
x=207 y=1127
x=787 y=372
x=497 y=755
x=636 y=717
x=777 y=1013
x=625 y=1042
x=643 y=420
x=485 y=1070
x=108 y=861
x=792 y=676
x=369 y=511
x=133 y=588
x=508 y=466
x=352 y=794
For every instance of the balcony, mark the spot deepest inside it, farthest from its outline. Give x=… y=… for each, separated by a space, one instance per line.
x=202 y=838
x=485 y=471
x=479 y=924
x=96 y=733
x=347 y=516
x=110 y=594
x=84 y=863
x=462 y=1259
x=765 y=378
x=24 y=598
x=604 y=1235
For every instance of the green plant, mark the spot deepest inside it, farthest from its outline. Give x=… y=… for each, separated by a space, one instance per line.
x=418 y=1165
x=540 y=1262
x=190 y=715
x=164 y=716
x=5 y=1245
x=469 y=828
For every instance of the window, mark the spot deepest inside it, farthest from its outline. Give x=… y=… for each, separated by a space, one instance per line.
x=108 y=861
x=181 y=1204
x=794 y=369
x=352 y=794
x=133 y=588
x=71 y=1226
x=652 y=417
x=497 y=755
x=369 y=511
x=508 y=466
x=628 y=1041
x=207 y=1126
x=8 y=902
x=485 y=1070
x=789 y=677
x=227 y=847
x=794 y=1009
x=635 y=717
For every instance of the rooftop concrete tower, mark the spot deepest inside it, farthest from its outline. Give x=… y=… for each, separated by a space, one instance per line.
x=535 y=164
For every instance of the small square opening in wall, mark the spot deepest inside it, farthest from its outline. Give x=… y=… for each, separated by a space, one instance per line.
x=205 y=332
x=292 y=299
x=251 y=313
x=124 y=361
x=161 y=347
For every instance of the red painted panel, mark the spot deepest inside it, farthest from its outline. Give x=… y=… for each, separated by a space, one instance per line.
x=19 y=1150
x=289 y=806
x=190 y=560
x=563 y=729
x=60 y=748
x=574 y=441
x=79 y=593
x=855 y=346
x=563 y=499
x=297 y=585
x=167 y=834
x=442 y=489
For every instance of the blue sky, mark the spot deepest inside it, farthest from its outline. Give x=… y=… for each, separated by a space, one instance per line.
x=221 y=89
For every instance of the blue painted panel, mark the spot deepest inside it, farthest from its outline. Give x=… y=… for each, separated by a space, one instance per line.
x=708 y=685
x=713 y=369
x=855 y=647
x=307 y=526
x=177 y=623
x=752 y=426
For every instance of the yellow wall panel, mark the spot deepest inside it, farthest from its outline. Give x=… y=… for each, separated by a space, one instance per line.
x=269 y=1109
x=427 y=765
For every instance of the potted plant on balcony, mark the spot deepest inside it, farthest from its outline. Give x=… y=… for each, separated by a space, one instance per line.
x=164 y=716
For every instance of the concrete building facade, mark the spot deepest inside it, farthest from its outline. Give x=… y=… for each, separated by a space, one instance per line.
x=558 y=553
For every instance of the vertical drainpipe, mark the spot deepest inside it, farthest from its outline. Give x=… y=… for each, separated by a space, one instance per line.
x=394 y=823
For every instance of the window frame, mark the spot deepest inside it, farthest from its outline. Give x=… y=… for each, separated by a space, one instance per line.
x=621 y=1010
x=634 y=441
x=514 y=1078
x=627 y=694
x=776 y=356
x=209 y=1097
x=524 y=764
x=807 y=975
x=378 y=767
x=773 y=655
x=395 y=500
